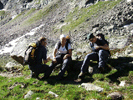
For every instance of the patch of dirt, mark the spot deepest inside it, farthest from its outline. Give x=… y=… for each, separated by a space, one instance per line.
x=10 y=74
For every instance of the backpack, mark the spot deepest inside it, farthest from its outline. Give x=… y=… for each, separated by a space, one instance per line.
x=30 y=55
x=103 y=38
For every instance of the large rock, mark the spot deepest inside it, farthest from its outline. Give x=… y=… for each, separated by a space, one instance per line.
x=91 y=87
x=17 y=53
x=10 y=65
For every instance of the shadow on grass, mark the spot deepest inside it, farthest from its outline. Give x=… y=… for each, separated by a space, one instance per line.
x=121 y=64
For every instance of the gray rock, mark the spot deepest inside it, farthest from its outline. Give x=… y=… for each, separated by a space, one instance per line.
x=122 y=83
x=54 y=94
x=91 y=87
x=116 y=96
x=10 y=65
x=38 y=98
x=29 y=94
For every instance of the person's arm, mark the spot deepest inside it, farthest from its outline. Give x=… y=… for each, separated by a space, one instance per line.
x=55 y=51
x=68 y=55
x=47 y=60
x=44 y=56
x=105 y=47
x=69 y=52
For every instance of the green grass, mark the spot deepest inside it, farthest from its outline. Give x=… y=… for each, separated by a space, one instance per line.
x=67 y=89
x=39 y=14
x=2 y=13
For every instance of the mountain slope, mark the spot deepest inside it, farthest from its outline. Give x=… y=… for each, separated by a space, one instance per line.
x=75 y=17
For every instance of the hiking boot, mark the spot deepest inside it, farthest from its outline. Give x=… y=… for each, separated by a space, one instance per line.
x=78 y=80
x=81 y=75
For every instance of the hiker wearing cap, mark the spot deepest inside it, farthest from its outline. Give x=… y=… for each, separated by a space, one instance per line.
x=62 y=55
x=99 y=53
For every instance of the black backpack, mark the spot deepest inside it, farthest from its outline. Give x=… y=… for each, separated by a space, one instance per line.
x=30 y=55
x=103 y=38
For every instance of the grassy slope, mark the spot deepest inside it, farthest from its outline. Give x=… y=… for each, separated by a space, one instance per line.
x=66 y=89
x=87 y=13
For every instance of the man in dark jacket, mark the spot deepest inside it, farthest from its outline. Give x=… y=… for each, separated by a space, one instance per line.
x=41 y=59
x=100 y=52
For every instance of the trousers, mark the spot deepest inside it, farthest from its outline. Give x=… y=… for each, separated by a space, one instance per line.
x=39 y=68
x=100 y=56
x=65 y=63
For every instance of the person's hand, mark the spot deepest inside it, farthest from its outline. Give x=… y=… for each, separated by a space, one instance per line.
x=49 y=59
x=54 y=60
x=97 y=47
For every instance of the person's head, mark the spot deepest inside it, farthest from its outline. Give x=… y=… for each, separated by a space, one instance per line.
x=63 y=39
x=43 y=41
x=100 y=36
x=91 y=38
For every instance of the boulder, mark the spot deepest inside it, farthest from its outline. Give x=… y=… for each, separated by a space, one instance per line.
x=91 y=87
x=10 y=65
x=17 y=54
x=115 y=96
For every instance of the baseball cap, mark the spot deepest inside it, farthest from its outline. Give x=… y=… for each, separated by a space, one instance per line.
x=90 y=35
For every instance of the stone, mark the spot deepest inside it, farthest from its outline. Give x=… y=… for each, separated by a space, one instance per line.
x=129 y=0
x=29 y=94
x=91 y=87
x=38 y=98
x=10 y=65
x=122 y=83
x=115 y=96
x=55 y=95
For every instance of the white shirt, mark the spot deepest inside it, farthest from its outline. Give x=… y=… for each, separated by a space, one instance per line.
x=62 y=50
